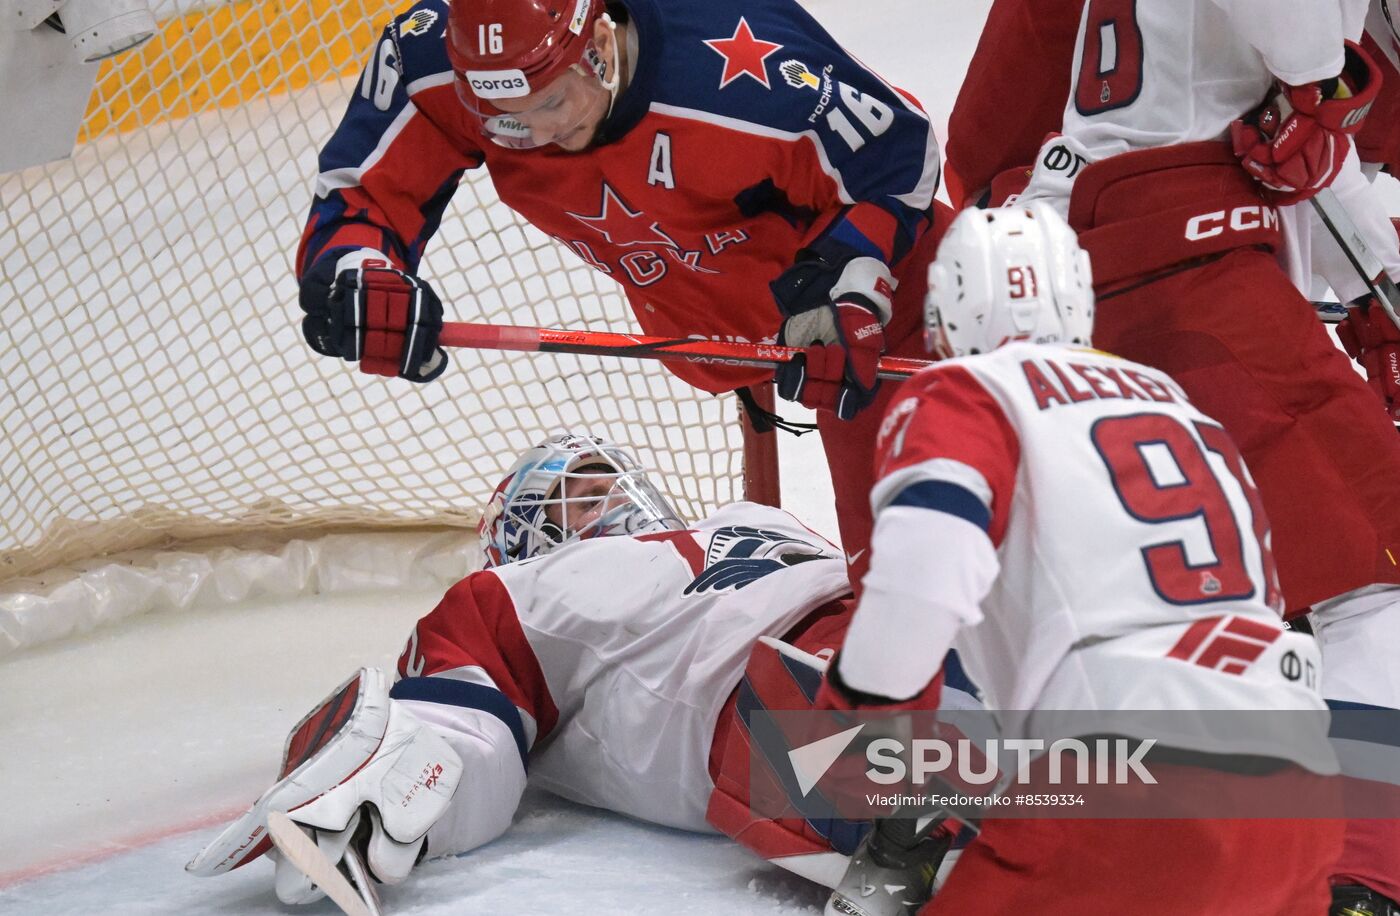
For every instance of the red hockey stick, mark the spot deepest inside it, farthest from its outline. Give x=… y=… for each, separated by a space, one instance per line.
x=604 y=343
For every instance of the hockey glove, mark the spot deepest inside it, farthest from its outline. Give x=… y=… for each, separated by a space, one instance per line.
x=1372 y=339
x=359 y=768
x=361 y=308
x=837 y=313
x=1295 y=144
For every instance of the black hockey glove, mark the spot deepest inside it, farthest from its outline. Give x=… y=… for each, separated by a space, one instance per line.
x=362 y=309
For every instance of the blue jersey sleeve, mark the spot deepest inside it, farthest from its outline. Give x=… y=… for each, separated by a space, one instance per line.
x=385 y=177
x=768 y=67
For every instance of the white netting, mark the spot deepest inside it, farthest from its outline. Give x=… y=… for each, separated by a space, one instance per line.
x=156 y=386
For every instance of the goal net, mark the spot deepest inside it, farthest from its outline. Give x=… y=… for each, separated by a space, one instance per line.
x=156 y=386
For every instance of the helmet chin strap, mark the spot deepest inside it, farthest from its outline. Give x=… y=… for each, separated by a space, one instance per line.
x=612 y=84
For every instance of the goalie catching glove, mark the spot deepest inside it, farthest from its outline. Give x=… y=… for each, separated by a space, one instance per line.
x=363 y=309
x=837 y=313
x=1296 y=144
x=359 y=768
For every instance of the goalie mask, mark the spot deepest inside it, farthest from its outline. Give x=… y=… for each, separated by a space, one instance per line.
x=1004 y=275
x=570 y=488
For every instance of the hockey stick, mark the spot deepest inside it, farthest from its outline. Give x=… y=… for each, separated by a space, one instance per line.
x=1363 y=260
x=1334 y=216
x=303 y=853
x=637 y=346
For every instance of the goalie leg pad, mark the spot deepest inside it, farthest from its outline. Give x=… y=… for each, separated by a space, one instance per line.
x=379 y=757
x=328 y=745
x=780 y=675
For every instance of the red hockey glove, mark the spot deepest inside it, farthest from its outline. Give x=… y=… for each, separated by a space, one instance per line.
x=837 y=312
x=1295 y=144
x=361 y=308
x=1373 y=340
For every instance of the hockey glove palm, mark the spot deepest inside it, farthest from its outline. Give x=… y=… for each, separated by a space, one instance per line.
x=360 y=308
x=1296 y=144
x=837 y=313
x=1372 y=339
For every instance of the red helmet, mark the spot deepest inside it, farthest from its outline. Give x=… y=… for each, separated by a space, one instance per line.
x=511 y=48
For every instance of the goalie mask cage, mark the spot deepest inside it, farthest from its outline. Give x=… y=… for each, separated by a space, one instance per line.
x=157 y=388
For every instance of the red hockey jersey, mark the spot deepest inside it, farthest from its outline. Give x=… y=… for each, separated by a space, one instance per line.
x=745 y=134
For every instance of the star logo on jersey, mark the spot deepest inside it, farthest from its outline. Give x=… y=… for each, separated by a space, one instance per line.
x=620 y=225
x=743 y=55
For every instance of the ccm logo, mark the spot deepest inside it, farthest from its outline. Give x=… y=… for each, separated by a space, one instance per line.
x=498 y=84
x=1240 y=219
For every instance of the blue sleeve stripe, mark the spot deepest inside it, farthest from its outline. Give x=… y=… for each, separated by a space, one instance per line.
x=943 y=496
x=449 y=692
x=845 y=233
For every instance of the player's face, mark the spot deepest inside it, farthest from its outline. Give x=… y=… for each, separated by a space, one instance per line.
x=588 y=494
x=569 y=112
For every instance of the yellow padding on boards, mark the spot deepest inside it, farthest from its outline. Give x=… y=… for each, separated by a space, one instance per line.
x=230 y=54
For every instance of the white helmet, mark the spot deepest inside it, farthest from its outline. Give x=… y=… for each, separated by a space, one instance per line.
x=532 y=511
x=1009 y=274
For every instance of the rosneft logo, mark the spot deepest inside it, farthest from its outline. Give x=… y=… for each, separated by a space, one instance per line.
x=796 y=75
x=418 y=23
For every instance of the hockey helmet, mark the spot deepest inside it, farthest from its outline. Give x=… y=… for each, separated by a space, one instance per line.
x=523 y=65
x=569 y=488
x=1011 y=274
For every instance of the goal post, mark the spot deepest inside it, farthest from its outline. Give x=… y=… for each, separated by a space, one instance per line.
x=157 y=389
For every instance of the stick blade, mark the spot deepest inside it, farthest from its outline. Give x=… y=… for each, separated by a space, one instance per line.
x=354 y=866
x=302 y=851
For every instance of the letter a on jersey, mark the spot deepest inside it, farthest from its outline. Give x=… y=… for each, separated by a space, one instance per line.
x=743 y=55
x=659 y=171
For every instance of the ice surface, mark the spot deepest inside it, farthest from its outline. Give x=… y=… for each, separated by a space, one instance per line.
x=558 y=858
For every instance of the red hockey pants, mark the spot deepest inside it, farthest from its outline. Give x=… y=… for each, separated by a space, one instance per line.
x=1249 y=351
x=1178 y=292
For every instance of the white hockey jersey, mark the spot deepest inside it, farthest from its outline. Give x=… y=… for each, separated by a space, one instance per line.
x=1090 y=539
x=1155 y=73
x=605 y=664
